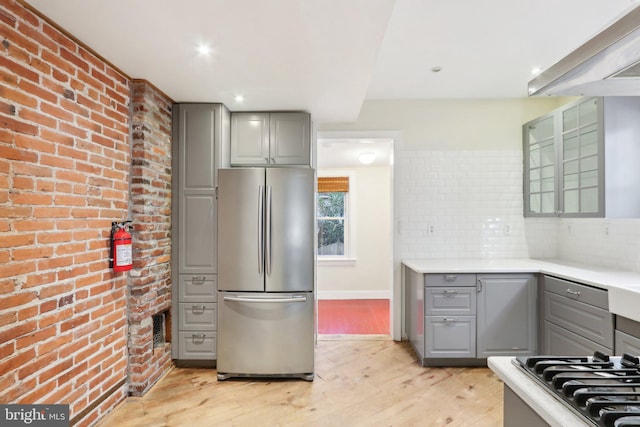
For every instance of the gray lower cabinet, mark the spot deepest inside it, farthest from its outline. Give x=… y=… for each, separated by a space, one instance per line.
x=627 y=336
x=507 y=313
x=576 y=319
x=200 y=135
x=461 y=319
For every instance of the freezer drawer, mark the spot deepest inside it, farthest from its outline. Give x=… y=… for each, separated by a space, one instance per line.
x=265 y=334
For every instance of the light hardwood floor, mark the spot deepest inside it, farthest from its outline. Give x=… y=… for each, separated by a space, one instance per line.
x=359 y=382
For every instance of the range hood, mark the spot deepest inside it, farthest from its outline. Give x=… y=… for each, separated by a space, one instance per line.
x=606 y=65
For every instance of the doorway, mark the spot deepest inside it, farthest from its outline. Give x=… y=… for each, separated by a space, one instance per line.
x=355 y=281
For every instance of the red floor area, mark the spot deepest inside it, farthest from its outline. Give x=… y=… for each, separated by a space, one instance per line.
x=360 y=316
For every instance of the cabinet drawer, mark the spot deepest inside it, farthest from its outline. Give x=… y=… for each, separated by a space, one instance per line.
x=576 y=291
x=626 y=343
x=561 y=342
x=197 y=345
x=450 y=301
x=197 y=288
x=450 y=336
x=197 y=317
x=444 y=280
x=583 y=319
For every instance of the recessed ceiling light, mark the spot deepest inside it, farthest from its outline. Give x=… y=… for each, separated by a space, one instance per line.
x=204 y=49
x=436 y=69
x=536 y=70
x=238 y=98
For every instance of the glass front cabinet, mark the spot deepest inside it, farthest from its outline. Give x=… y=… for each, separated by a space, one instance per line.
x=577 y=160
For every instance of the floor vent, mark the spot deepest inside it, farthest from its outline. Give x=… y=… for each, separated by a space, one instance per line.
x=159 y=332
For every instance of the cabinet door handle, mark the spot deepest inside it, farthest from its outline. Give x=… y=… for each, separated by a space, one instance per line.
x=573 y=293
x=449 y=320
x=450 y=277
x=479 y=285
x=273 y=160
x=198 y=280
x=450 y=292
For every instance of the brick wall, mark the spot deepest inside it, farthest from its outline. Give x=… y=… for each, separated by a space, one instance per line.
x=65 y=159
x=150 y=282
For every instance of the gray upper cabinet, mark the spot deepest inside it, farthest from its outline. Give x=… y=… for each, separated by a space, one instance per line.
x=579 y=161
x=270 y=139
x=506 y=314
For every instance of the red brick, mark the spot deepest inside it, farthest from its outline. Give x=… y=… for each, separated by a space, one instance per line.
x=18 y=126
x=18 y=97
x=36 y=117
x=19 y=69
x=56 y=111
x=32 y=199
x=37 y=90
x=55 y=290
x=54 y=317
x=35 y=337
x=10 y=241
x=32 y=225
x=16 y=331
x=58 y=37
x=8 y=318
x=18 y=154
x=57 y=137
x=39 y=279
x=17 y=360
x=16 y=269
x=51 y=212
x=34 y=143
x=28 y=313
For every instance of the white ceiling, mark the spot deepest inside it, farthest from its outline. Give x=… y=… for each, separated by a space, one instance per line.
x=328 y=56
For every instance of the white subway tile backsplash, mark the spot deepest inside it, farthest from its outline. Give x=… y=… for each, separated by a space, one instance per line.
x=468 y=197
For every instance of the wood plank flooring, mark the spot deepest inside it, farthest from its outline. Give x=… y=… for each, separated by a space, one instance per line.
x=367 y=382
x=354 y=316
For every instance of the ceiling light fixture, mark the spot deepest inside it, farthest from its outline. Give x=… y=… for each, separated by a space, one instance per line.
x=535 y=71
x=204 y=49
x=239 y=98
x=436 y=69
x=367 y=158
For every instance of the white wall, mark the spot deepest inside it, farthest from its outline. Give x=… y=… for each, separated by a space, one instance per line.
x=369 y=276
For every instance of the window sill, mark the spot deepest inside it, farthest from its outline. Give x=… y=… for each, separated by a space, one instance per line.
x=329 y=261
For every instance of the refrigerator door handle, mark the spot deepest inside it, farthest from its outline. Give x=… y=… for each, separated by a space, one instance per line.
x=268 y=233
x=260 y=229
x=301 y=298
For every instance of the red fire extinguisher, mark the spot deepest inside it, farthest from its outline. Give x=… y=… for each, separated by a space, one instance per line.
x=121 y=247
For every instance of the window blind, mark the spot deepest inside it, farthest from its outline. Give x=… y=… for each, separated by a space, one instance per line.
x=333 y=184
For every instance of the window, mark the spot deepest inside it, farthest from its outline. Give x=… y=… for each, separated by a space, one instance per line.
x=332 y=216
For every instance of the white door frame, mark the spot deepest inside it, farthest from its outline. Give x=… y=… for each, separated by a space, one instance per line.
x=396 y=308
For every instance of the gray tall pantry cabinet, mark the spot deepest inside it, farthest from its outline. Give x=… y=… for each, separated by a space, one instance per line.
x=200 y=134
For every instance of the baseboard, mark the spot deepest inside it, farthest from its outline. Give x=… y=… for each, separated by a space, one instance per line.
x=354 y=294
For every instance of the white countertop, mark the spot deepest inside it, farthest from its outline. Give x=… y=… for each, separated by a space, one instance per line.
x=534 y=394
x=623 y=286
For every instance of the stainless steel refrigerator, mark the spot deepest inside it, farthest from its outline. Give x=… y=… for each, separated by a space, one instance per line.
x=266 y=270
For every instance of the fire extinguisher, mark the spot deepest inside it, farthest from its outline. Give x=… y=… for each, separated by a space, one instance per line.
x=121 y=247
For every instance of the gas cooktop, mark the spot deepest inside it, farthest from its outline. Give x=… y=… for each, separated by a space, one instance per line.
x=604 y=390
